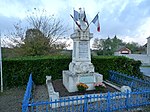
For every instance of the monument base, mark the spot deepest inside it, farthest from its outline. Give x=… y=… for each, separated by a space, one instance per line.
x=70 y=80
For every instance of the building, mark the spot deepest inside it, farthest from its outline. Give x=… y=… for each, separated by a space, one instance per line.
x=148 y=46
x=144 y=58
x=123 y=50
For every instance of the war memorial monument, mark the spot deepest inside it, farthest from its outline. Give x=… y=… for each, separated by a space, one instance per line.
x=81 y=69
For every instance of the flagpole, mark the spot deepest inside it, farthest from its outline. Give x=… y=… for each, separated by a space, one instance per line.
x=1 y=65
x=76 y=22
x=88 y=25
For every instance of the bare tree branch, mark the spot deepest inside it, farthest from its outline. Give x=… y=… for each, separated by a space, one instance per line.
x=48 y=25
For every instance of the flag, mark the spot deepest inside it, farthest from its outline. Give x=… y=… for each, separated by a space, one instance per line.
x=96 y=22
x=76 y=15
x=85 y=19
x=76 y=18
x=75 y=21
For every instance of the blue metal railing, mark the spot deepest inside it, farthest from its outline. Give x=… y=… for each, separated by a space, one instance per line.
x=133 y=82
x=94 y=103
x=106 y=102
x=27 y=95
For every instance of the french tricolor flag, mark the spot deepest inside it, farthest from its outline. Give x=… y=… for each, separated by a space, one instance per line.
x=76 y=18
x=96 y=22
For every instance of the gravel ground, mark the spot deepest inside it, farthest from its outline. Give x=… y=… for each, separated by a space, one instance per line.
x=40 y=93
x=59 y=87
x=11 y=99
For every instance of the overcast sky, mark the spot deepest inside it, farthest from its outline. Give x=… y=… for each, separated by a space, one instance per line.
x=128 y=19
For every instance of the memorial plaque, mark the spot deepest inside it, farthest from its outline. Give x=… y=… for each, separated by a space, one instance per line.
x=86 y=79
x=83 y=49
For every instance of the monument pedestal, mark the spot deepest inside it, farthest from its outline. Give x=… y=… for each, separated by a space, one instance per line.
x=81 y=69
x=71 y=80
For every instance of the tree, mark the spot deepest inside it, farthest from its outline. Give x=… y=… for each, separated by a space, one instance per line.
x=35 y=43
x=61 y=45
x=117 y=43
x=49 y=27
x=133 y=46
x=104 y=46
x=98 y=44
x=108 y=46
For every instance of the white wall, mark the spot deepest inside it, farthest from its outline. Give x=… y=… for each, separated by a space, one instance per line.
x=148 y=46
x=145 y=59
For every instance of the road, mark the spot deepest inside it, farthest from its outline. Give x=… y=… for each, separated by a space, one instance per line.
x=145 y=70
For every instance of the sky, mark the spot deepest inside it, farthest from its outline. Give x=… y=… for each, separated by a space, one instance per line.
x=128 y=19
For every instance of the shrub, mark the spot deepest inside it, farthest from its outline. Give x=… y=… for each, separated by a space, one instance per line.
x=16 y=71
x=117 y=63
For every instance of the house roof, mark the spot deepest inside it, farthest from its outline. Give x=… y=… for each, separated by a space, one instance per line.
x=122 y=48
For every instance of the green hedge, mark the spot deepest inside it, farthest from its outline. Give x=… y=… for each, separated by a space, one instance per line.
x=119 y=64
x=16 y=71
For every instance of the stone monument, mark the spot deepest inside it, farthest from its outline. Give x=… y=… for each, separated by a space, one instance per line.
x=81 y=69
x=148 y=46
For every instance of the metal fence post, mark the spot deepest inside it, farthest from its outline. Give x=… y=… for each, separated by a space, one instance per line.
x=25 y=106
x=85 y=103
x=27 y=95
x=126 y=101
x=108 y=102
